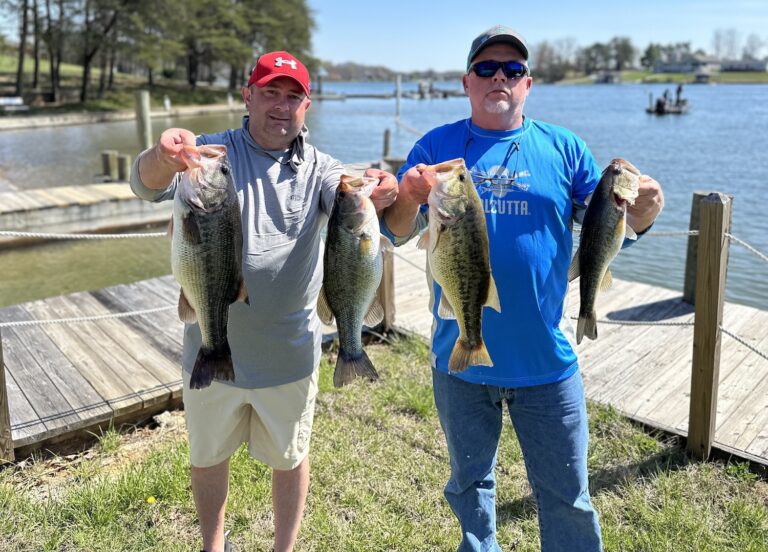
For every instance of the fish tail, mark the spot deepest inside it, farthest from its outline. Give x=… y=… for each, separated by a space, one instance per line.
x=351 y=365
x=465 y=354
x=587 y=325
x=212 y=364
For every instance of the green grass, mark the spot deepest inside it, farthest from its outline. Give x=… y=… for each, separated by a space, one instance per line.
x=379 y=464
x=121 y=97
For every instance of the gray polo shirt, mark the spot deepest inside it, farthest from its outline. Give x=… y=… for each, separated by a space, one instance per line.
x=285 y=199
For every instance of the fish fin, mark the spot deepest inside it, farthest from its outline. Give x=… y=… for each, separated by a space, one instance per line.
x=375 y=313
x=493 y=296
x=607 y=280
x=587 y=325
x=445 y=310
x=186 y=311
x=212 y=364
x=365 y=245
x=440 y=232
x=423 y=242
x=464 y=355
x=629 y=233
x=574 y=270
x=349 y=366
x=169 y=231
x=190 y=229
x=323 y=308
x=385 y=244
x=242 y=294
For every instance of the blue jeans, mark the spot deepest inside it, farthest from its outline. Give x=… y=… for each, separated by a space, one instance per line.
x=551 y=425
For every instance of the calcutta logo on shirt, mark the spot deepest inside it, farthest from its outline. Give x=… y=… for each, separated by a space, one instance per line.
x=493 y=192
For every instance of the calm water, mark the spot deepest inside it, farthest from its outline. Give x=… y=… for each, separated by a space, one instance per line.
x=718 y=146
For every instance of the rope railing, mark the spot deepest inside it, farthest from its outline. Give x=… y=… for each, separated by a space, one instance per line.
x=23 y=323
x=50 y=236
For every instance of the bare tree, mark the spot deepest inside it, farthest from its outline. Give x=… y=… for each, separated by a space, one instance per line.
x=725 y=43
x=753 y=47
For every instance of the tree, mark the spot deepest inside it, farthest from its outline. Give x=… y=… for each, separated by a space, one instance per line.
x=623 y=52
x=23 y=27
x=753 y=47
x=725 y=43
x=595 y=58
x=98 y=19
x=651 y=56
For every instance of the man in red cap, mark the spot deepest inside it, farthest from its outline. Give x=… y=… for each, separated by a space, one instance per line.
x=286 y=189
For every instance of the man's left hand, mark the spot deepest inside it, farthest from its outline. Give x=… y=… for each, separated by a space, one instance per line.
x=385 y=192
x=648 y=205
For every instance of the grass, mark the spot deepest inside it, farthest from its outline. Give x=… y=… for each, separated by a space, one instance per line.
x=378 y=467
x=121 y=97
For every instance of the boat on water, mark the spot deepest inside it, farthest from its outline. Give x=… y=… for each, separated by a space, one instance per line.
x=665 y=106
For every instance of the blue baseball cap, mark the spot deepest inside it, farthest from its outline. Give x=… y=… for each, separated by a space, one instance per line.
x=495 y=35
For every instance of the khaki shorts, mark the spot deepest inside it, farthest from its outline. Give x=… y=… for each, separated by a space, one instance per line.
x=276 y=422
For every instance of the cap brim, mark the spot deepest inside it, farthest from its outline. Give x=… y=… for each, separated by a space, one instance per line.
x=501 y=39
x=263 y=81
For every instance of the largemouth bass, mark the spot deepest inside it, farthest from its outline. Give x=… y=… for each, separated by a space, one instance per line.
x=206 y=256
x=459 y=260
x=602 y=234
x=351 y=274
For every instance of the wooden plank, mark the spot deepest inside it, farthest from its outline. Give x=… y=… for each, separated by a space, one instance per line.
x=56 y=199
x=117 y=191
x=140 y=380
x=163 y=330
x=10 y=203
x=26 y=425
x=79 y=393
x=6 y=437
x=710 y=290
x=135 y=344
x=98 y=372
x=47 y=401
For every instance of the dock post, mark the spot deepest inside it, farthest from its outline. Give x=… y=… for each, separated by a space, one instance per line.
x=712 y=266
x=386 y=291
x=398 y=86
x=123 y=167
x=6 y=438
x=109 y=164
x=143 y=123
x=689 y=284
x=387 y=135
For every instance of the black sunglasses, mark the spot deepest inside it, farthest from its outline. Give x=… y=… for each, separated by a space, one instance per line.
x=488 y=68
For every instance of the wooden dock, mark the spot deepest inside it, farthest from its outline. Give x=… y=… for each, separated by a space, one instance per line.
x=86 y=208
x=63 y=379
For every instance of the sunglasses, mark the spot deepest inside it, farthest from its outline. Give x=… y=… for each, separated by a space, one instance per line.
x=488 y=68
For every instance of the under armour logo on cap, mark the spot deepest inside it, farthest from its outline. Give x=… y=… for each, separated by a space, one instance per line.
x=279 y=62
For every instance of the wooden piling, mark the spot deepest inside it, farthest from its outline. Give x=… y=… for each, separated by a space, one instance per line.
x=689 y=284
x=387 y=136
x=6 y=438
x=123 y=167
x=712 y=265
x=109 y=165
x=143 y=124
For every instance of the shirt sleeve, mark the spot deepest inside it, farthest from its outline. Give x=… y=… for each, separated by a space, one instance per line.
x=329 y=181
x=418 y=154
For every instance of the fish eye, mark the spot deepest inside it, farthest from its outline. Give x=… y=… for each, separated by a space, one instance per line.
x=224 y=169
x=462 y=177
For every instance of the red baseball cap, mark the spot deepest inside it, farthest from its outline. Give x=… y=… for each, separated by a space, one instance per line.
x=279 y=64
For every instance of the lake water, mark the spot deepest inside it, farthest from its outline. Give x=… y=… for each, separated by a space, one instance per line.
x=718 y=146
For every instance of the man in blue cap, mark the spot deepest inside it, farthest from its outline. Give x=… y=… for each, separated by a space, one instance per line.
x=533 y=179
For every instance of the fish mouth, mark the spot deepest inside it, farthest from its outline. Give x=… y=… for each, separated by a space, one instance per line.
x=625 y=181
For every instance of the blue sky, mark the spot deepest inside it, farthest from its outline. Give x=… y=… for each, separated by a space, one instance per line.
x=413 y=34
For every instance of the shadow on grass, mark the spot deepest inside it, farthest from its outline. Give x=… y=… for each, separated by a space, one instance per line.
x=671 y=459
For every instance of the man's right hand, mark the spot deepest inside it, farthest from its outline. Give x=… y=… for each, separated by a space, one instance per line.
x=417 y=183
x=170 y=145
x=159 y=164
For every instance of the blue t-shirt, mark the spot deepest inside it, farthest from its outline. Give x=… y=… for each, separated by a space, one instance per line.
x=531 y=341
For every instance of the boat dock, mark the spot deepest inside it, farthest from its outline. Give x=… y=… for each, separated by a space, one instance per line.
x=65 y=379
x=65 y=376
